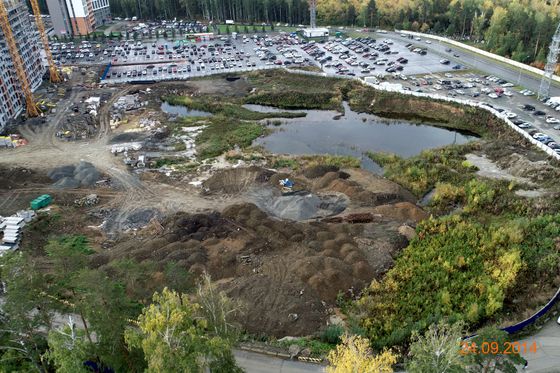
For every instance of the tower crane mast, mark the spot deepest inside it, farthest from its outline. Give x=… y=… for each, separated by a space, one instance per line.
x=54 y=75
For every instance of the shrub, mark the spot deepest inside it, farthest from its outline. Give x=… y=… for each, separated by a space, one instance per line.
x=332 y=334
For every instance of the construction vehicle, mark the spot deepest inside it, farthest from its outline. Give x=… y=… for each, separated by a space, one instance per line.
x=54 y=74
x=18 y=62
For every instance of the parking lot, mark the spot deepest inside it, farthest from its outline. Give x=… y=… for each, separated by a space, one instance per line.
x=519 y=105
x=164 y=60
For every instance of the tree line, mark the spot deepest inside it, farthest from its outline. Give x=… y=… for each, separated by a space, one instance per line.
x=520 y=29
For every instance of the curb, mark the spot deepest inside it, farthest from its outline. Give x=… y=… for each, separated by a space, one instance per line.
x=281 y=355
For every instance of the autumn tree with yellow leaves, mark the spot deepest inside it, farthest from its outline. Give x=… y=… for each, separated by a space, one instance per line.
x=354 y=355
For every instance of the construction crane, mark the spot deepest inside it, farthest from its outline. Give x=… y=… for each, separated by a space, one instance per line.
x=54 y=75
x=18 y=62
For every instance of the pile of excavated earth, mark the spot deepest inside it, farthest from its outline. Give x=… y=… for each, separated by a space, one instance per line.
x=286 y=254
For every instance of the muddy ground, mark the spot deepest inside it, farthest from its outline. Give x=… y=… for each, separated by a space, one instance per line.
x=287 y=272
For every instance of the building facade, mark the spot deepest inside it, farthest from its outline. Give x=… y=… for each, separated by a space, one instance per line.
x=78 y=17
x=29 y=45
x=101 y=11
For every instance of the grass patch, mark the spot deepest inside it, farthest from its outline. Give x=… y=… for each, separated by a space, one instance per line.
x=285 y=163
x=286 y=90
x=341 y=161
x=318 y=349
x=223 y=134
x=167 y=162
x=421 y=173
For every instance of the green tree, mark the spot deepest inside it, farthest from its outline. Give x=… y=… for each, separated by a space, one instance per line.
x=370 y=14
x=174 y=339
x=68 y=255
x=69 y=349
x=217 y=309
x=492 y=362
x=438 y=350
x=26 y=308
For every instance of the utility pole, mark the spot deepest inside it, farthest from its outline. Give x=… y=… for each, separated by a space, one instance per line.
x=552 y=59
x=313 y=13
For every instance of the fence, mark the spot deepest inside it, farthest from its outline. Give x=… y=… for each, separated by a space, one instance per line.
x=106 y=71
x=481 y=52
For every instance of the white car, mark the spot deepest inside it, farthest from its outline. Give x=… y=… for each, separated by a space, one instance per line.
x=510 y=115
x=508 y=93
x=493 y=95
x=552 y=120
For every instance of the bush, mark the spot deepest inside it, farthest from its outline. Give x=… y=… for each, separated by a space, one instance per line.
x=332 y=334
x=454 y=267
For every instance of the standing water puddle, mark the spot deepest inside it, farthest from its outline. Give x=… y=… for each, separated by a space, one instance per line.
x=319 y=133
x=183 y=111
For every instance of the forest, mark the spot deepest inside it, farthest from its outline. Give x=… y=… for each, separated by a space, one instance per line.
x=520 y=29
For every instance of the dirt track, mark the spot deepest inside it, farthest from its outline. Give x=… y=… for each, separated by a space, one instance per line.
x=45 y=151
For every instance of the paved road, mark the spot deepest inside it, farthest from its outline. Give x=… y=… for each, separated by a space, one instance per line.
x=491 y=67
x=547 y=357
x=257 y=363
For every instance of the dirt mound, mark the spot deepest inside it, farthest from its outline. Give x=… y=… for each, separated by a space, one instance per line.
x=402 y=211
x=283 y=270
x=197 y=227
x=236 y=180
x=363 y=189
x=318 y=171
x=518 y=165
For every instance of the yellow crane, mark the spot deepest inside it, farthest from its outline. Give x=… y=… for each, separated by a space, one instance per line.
x=18 y=62
x=54 y=75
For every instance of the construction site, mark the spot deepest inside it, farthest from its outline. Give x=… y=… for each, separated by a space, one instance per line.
x=180 y=172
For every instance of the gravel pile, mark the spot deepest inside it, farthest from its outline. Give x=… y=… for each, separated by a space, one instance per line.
x=297 y=206
x=67 y=177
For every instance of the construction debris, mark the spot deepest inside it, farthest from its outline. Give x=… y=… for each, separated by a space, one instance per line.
x=12 y=141
x=127 y=103
x=88 y=201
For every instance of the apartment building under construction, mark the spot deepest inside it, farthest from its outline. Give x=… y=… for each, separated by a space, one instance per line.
x=26 y=37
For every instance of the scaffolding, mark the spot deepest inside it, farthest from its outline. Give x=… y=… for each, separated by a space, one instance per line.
x=17 y=61
x=551 y=61
x=313 y=13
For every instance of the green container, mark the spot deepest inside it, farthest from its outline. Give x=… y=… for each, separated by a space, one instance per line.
x=41 y=201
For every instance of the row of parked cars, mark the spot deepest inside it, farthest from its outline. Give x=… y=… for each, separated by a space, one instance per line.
x=73 y=52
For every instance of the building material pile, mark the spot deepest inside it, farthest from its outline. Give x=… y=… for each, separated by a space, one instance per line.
x=11 y=229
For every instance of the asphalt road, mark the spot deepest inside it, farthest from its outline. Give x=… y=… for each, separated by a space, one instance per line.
x=546 y=358
x=491 y=67
x=257 y=363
